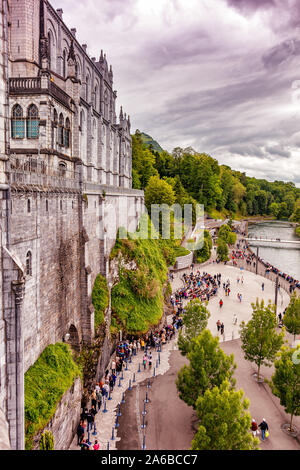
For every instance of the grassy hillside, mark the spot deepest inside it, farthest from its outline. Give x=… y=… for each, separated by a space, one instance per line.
x=138 y=298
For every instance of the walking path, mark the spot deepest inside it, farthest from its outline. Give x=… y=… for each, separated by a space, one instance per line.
x=105 y=422
x=251 y=289
x=164 y=402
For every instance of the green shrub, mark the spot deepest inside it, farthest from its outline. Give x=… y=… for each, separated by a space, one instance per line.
x=47 y=441
x=46 y=381
x=137 y=300
x=181 y=251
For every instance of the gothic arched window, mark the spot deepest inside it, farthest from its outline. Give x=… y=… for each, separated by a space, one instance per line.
x=64 y=63
x=49 y=49
x=17 y=123
x=61 y=130
x=67 y=132
x=29 y=263
x=33 y=122
x=87 y=89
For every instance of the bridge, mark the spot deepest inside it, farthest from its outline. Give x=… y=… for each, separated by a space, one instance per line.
x=275 y=242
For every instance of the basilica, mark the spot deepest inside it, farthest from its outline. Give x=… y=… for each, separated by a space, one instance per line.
x=65 y=167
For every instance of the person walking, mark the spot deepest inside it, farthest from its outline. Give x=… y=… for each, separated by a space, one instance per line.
x=218 y=325
x=94 y=399
x=264 y=428
x=90 y=419
x=80 y=433
x=150 y=359
x=254 y=427
x=222 y=328
x=99 y=398
x=263 y=286
x=235 y=319
x=221 y=303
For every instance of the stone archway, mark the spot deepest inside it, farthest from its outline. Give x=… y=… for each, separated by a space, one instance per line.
x=74 y=338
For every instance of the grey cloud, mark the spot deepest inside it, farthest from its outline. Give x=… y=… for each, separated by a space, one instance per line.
x=179 y=49
x=251 y=5
x=247 y=150
x=281 y=53
x=278 y=151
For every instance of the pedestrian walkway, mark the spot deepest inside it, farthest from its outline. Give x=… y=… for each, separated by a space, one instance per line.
x=134 y=374
x=105 y=422
x=251 y=289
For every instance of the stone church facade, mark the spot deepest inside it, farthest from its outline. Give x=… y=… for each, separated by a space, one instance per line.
x=65 y=169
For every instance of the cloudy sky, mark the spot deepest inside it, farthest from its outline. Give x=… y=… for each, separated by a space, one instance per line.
x=222 y=76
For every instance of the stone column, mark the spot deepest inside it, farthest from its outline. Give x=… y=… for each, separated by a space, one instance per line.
x=15 y=368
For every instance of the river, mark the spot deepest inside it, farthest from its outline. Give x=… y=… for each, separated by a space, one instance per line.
x=285 y=259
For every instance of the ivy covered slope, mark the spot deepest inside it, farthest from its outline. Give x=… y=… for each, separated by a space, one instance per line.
x=46 y=381
x=100 y=299
x=138 y=298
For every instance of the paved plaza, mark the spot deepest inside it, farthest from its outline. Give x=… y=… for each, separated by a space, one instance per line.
x=251 y=289
x=169 y=423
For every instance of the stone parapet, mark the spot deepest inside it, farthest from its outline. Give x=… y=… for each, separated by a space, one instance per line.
x=184 y=261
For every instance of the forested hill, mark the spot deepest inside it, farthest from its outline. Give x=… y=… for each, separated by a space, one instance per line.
x=185 y=176
x=150 y=142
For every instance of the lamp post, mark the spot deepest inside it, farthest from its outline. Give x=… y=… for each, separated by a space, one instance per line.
x=276 y=293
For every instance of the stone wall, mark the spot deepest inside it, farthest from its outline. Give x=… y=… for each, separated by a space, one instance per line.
x=183 y=262
x=51 y=233
x=64 y=423
x=4 y=438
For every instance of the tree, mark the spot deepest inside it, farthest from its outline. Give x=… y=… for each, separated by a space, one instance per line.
x=291 y=319
x=222 y=250
x=204 y=253
x=224 y=422
x=47 y=441
x=286 y=381
x=224 y=232
x=195 y=321
x=208 y=367
x=260 y=341
x=231 y=238
x=158 y=192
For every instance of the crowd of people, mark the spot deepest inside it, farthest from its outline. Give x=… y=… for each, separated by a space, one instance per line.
x=124 y=353
x=243 y=253
x=197 y=286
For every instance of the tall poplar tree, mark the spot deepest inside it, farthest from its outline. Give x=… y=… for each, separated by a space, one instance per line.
x=260 y=341
x=291 y=319
x=286 y=381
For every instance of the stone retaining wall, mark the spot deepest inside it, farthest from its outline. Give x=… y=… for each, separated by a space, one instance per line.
x=64 y=423
x=183 y=262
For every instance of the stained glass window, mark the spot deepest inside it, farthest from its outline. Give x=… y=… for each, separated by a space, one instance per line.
x=17 y=123
x=33 y=122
